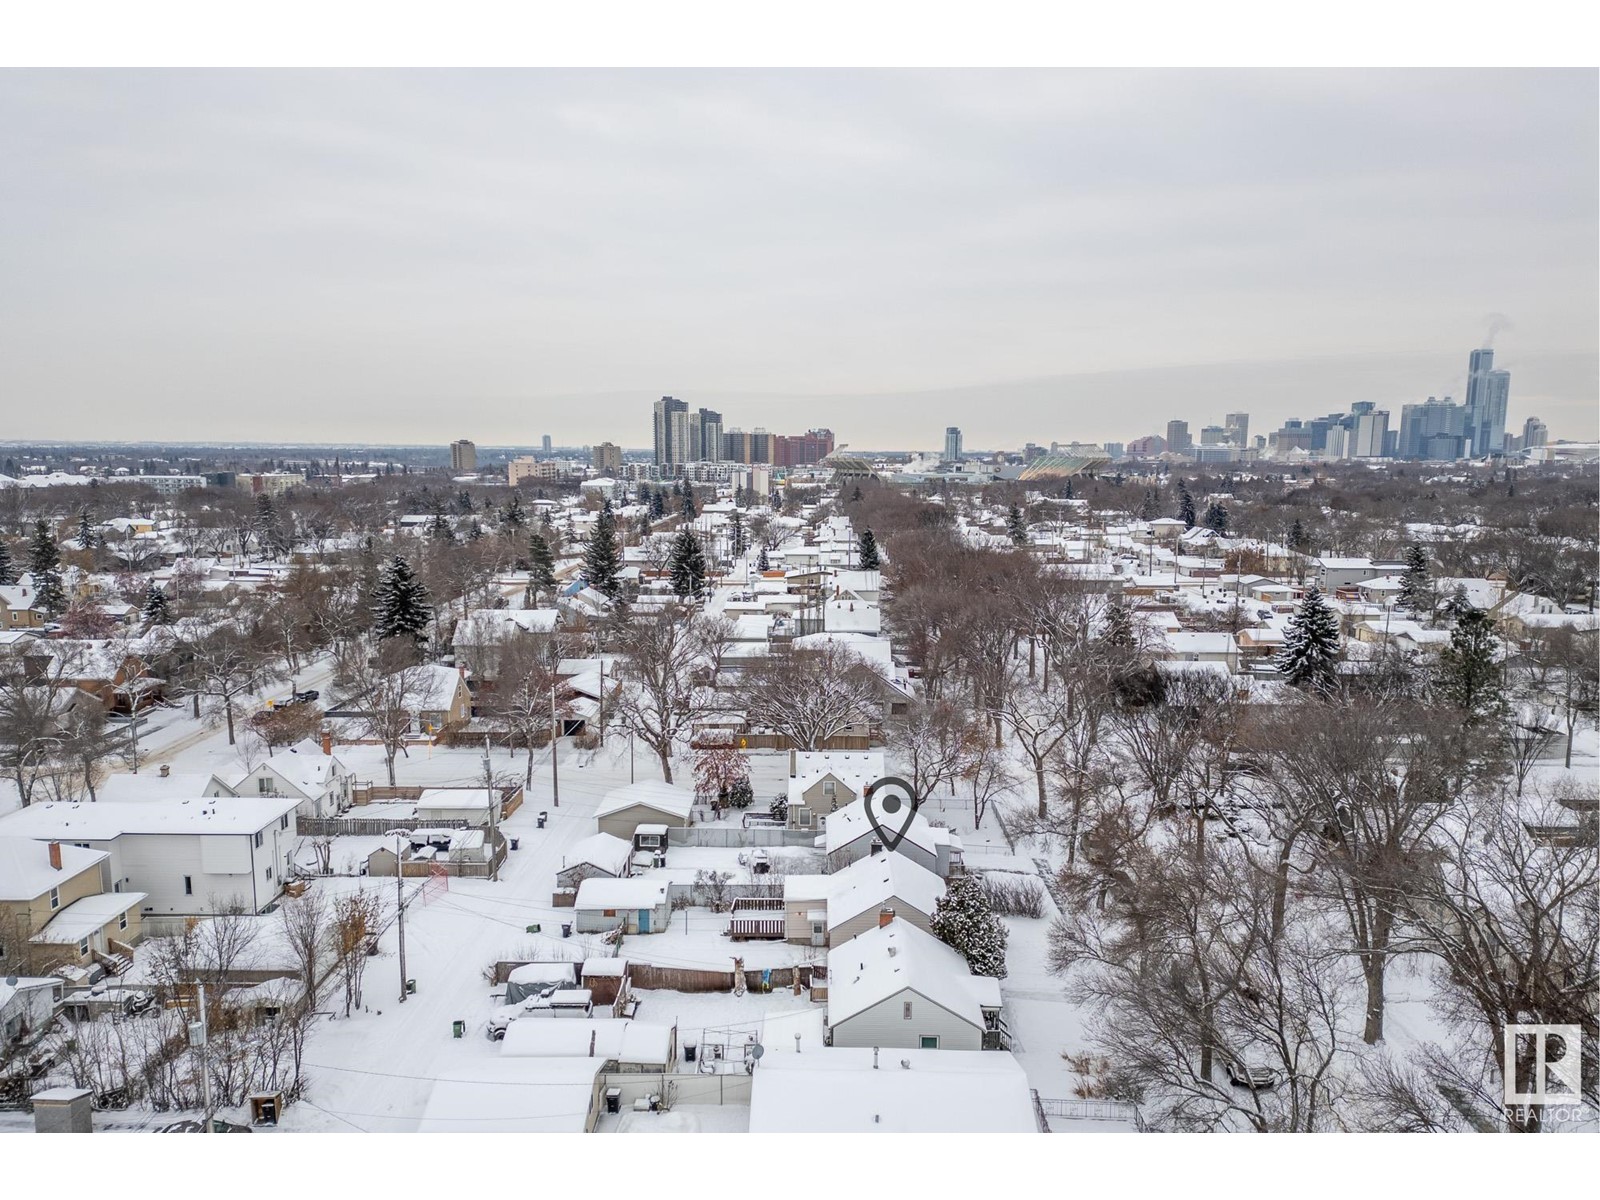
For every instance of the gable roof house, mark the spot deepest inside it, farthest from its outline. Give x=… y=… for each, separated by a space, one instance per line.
x=601 y=855
x=633 y=905
x=896 y=985
x=57 y=908
x=824 y=781
x=480 y=637
x=872 y=891
x=187 y=856
x=848 y=835
x=443 y=702
x=307 y=772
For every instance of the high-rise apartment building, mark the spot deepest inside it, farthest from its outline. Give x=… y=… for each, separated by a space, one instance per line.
x=1178 y=440
x=952 y=445
x=1370 y=435
x=1534 y=433
x=544 y=443
x=607 y=458
x=1435 y=430
x=1238 y=427
x=671 y=430
x=463 y=457
x=1214 y=435
x=810 y=447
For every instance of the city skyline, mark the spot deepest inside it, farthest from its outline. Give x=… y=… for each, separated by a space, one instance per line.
x=332 y=251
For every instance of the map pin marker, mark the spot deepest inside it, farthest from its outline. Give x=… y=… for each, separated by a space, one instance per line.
x=890 y=805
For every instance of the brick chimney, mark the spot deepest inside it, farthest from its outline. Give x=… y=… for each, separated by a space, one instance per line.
x=885 y=915
x=55 y=855
x=327 y=742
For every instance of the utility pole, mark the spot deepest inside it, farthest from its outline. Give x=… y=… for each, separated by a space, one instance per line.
x=400 y=911
x=555 y=778
x=494 y=813
x=602 y=700
x=205 y=1055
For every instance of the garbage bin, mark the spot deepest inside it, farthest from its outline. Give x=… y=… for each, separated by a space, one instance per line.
x=544 y=816
x=514 y=842
x=566 y=930
x=688 y=1052
x=411 y=987
x=614 y=1100
x=458 y=1029
x=534 y=928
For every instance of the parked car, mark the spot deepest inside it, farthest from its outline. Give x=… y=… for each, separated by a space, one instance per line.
x=500 y=1019
x=1257 y=1079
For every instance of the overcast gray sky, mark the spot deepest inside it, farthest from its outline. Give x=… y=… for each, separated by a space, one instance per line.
x=419 y=256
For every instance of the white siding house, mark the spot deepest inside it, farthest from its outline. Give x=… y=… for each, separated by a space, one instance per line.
x=188 y=856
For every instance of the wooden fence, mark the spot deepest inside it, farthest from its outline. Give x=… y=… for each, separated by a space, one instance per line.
x=647 y=977
x=368 y=826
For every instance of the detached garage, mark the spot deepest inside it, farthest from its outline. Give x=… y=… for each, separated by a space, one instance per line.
x=634 y=905
x=649 y=803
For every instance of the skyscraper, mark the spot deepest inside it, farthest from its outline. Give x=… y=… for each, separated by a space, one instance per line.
x=1178 y=440
x=463 y=457
x=544 y=443
x=1488 y=393
x=608 y=458
x=707 y=447
x=1238 y=427
x=1435 y=430
x=671 y=431
x=1534 y=433
x=1371 y=432
x=952 y=445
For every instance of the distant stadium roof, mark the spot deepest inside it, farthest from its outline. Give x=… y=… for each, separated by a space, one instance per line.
x=1059 y=466
x=848 y=466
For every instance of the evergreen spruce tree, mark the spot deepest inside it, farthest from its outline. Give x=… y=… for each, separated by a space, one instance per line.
x=867 y=556
x=1150 y=506
x=464 y=500
x=541 y=566
x=777 y=499
x=1297 y=537
x=1017 y=526
x=963 y=920
x=8 y=569
x=85 y=531
x=855 y=497
x=157 y=608
x=690 y=512
x=762 y=562
x=737 y=541
x=1185 y=506
x=513 y=517
x=1217 y=517
x=440 y=530
x=1416 y=589
x=1469 y=671
x=1067 y=493
x=44 y=564
x=1311 y=645
x=474 y=531
x=603 y=560
x=658 y=505
x=687 y=565
x=400 y=605
x=1118 y=630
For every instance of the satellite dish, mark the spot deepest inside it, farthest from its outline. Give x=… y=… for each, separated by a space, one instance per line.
x=757 y=1050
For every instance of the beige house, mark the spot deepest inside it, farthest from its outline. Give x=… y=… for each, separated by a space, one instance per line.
x=872 y=891
x=824 y=781
x=57 y=908
x=443 y=701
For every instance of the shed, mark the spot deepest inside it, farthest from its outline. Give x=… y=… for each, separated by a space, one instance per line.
x=624 y=809
x=633 y=905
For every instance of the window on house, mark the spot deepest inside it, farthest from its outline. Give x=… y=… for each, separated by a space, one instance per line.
x=928 y=1041
x=830 y=787
x=83 y=947
x=283 y=821
x=122 y=921
x=609 y=912
x=258 y=841
x=188 y=885
x=55 y=898
x=269 y=872
x=905 y=1011
x=263 y=785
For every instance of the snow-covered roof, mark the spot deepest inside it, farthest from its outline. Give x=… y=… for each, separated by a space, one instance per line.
x=454 y=799
x=86 y=916
x=603 y=850
x=25 y=870
x=851 y=822
x=621 y=893
x=856 y=769
x=512 y=1095
x=103 y=822
x=652 y=793
x=436 y=687
x=888 y=959
x=839 y=1089
x=866 y=884
x=602 y=1037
